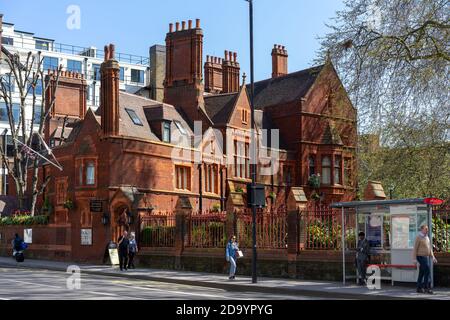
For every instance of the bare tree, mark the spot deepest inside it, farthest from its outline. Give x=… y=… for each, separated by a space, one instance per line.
x=26 y=76
x=393 y=57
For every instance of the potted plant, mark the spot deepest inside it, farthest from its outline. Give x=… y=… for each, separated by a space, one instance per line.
x=314 y=181
x=69 y=204
x=239 y=190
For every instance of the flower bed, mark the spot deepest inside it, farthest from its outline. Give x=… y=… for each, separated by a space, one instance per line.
x=26 y=220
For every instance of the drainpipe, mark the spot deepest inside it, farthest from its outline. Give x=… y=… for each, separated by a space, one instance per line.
x=200 y=199
x=222 y=200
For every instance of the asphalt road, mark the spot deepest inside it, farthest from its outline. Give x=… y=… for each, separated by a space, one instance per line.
x=31 y=284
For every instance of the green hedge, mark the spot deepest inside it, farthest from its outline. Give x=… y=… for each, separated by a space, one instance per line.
x=25 y=220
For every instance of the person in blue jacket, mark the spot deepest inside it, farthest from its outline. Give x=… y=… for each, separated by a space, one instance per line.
x=231 y=255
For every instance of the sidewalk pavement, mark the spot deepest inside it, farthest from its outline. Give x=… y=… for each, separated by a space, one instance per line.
x=319 y=289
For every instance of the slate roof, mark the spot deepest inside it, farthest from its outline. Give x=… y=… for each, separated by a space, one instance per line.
x=126 y=125
x=288 y=88
x=219 y=107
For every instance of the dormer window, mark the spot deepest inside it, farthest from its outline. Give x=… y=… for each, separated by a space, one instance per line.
x=166 y=131
x=134 y=117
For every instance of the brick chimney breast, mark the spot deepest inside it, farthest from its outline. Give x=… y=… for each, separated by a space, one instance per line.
x=213 y=75
x=279 y=61
x=109 y=92
x=70 y=98
x=231 y=72
x=183 y=86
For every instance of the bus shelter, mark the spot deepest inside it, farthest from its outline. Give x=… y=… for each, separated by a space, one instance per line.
x=391 y=227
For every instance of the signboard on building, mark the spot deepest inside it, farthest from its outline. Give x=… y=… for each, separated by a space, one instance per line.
x=28 y=235
x=96 y=206
x=86 y=237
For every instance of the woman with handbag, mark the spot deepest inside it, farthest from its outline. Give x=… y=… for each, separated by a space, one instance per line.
x=231 y=256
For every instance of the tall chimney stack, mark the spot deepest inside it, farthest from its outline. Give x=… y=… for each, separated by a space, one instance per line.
x=109 y=91
x=213 y=75
x=183 y=86
x=279 y=61
x=231 y=70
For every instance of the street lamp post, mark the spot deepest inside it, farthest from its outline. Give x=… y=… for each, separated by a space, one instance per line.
x=253 y=145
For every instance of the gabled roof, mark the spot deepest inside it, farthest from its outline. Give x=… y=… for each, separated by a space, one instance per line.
x=284 y=89
x=219 y=107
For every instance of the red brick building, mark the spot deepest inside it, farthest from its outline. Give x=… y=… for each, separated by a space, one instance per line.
x=142 y=155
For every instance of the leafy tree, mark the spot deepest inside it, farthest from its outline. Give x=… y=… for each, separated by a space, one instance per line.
x=393 y=58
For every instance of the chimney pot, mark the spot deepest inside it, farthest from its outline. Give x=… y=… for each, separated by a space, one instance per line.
x=190 y=24
x=106 y=53
x=177 y=26
x=207 y=58
x=235 y=56
x=183 y=25
x=112 y=51
x=197 y=23
x=226 y=55
x=170 y=27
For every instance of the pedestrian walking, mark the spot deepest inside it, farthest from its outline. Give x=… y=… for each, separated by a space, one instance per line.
x=231 y=256
x=362 y=258
x=422 y=254
x=124 y=244
x=132 y=251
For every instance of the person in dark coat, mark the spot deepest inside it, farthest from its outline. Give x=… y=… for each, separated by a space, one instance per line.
x=124 y=245
x=362 y=257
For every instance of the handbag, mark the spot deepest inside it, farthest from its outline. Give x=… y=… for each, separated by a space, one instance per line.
x=240 y=254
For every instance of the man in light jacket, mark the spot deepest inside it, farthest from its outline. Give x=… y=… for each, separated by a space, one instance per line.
x=422 y=254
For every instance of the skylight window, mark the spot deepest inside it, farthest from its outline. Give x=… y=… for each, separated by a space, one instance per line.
x=180 y=127
x=134 y=117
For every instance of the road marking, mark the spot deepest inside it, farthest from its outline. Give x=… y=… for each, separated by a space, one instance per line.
x=103 y=293
x=34 y=284
x=174 y=292
x=4 y=299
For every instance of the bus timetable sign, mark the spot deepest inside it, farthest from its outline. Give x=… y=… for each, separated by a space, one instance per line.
x=96 y=206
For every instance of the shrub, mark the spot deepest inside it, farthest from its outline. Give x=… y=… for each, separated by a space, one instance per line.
x=314 y=181
x=216 y=208
x=26 y=220
x=441 y=235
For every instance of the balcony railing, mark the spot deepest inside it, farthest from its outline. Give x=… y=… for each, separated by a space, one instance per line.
x=42 y=45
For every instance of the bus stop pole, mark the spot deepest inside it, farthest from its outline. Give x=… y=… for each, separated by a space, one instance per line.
x=343 y=247
x=430 y=230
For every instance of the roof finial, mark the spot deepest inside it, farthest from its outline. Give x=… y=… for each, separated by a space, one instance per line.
x=244 y=77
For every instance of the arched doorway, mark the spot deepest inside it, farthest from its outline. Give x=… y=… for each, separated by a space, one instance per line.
x=119 y=222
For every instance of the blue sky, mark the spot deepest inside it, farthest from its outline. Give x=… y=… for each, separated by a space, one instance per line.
x=135 y=25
